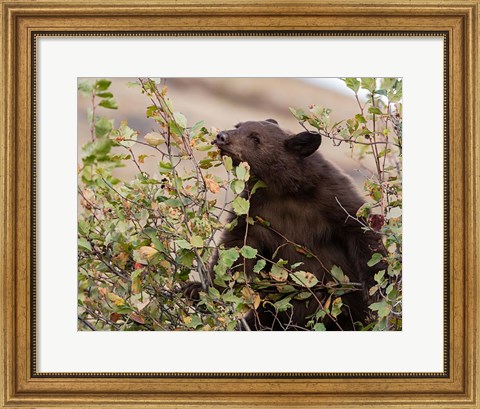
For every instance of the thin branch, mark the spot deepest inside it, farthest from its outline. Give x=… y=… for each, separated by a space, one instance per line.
x=86 y=323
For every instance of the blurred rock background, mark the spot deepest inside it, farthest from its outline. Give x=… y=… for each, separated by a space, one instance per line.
x=223 y=102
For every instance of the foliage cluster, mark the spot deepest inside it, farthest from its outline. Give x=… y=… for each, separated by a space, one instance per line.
x=141 y=241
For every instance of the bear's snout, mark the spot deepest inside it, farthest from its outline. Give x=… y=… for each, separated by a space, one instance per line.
x=221 y=139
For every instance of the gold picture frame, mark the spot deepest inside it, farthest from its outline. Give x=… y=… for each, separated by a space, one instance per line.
x=22 y=386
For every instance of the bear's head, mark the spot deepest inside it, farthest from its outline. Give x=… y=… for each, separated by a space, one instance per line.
x=272 y=153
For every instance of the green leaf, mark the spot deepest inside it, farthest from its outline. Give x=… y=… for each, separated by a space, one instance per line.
x=377 y=194
x=374 y=110
x=175 y=128
x=240 y=206
x=108 y=103
x=364 y=210
x=143 y=217
x=294 y=266
x=299 y=114
x=384 y=152
x=319 y=327
x=123 y=309
x=228 y=257
x=198 y=126
x=180 y=119
x=369 y=84
x=242 y=171
x=204 y=147
x=337 y=272
x=187 y=258
x=85 y=88
x=152 y=233
x=378 y=277
x=260 y=264
x=151 y=111
x=183 y=244
x=287 y=289
x=104 y=94
x=165 y=167
x=193 y=321
x=84 y=244
x=304 y=295
x=228 y=163
x=237 y=186
x=229 y=297
x=248 y=252
x=382 y=307
x=278 y=273
x=213 y=292
x=173 y=202
x=103 y=127
x=125 y=132
x=283 y=304
x=376 y=258
x=83 y=227
x=231 y=325
x=304 y=279
x=102 y=147
x=259 y=184
x=102 y=85
x=196 y=241
x=352 y=83
x=319 y=112
x=336 y=309
x=205 y=164
x=360 y=118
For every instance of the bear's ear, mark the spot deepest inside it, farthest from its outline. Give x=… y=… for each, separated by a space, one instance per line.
x=303 y=144
x=272 y=121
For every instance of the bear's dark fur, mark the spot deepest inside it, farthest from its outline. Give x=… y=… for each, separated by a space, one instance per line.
x=301 y=203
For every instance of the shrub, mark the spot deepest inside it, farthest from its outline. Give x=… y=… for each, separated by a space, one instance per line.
x=141 y=241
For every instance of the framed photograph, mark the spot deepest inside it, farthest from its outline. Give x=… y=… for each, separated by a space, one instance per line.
x=239 y=204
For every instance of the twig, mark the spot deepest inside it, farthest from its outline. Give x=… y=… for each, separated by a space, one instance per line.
x=86 y=323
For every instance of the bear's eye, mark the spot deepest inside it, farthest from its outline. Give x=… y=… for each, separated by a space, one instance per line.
x=255 y=137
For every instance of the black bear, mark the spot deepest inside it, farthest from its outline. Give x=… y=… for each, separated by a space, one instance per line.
x=305 y=201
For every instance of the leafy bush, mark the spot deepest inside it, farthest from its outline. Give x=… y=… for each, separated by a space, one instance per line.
x=375 y=131
x=141 y=241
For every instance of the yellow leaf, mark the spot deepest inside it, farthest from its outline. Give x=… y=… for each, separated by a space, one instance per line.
x=141 y=158
x=250 y=295
x=247 y=293
x=327 y=304
x=165 y=264
x=278 y=273
x=154 y=138
x=137 y=284
x=213 y=186
x=121 y=259
x=147 y=252
x=116 y=299
x=257 y=301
